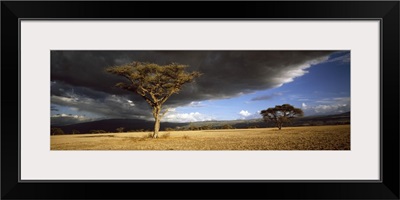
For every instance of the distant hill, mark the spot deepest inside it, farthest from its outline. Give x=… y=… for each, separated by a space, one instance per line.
x=110 y=125
x=342 y=118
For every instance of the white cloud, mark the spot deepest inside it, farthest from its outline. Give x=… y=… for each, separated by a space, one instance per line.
x=64 y=99
x=69 y=115
x=248 y=115
x=186 y=117
x=296 y=71
x=196 y=104
x=130 y=103
x=171 y=109
x=65 y=119
x=338 y=108
x=244 y=113
x=328 y=106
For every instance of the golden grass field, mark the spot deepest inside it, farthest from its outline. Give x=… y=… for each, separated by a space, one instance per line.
x=289 y=138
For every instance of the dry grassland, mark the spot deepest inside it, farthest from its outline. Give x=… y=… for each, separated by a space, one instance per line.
x=289 y=138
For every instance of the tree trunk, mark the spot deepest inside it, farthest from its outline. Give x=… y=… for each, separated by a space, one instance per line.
x=156 y=127
x=156 y=114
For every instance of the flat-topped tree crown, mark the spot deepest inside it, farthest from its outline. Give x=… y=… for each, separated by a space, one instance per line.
x=281 y=114
x=155 y=83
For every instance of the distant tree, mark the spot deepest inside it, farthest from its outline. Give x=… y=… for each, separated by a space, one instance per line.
x=56 y=131
x=193 y=127
x=120 y=129
x=74 y=131
x=281 y=114
x=169 y=129
x=206 y=127
x=155 y=83
x=227 y=126
x=97 y=131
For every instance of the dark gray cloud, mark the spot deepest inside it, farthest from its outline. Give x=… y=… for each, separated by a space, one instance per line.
x=110 y=106
x=79 y=80
x=266 y=97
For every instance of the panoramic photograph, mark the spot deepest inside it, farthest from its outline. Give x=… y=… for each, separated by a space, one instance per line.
x=200 y=100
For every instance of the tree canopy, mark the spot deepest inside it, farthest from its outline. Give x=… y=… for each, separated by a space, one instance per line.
x=281 y=114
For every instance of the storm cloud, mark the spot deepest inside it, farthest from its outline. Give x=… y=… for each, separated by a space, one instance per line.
x=79 y=80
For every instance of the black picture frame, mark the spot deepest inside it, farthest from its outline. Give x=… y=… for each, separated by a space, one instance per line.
x=386 y=11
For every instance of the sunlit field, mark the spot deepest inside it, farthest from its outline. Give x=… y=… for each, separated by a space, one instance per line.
x=289 y=138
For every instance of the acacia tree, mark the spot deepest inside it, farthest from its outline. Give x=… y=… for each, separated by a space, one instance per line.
x=281 y=114
x=155 y=83
x=120 y=129
x=56 y=131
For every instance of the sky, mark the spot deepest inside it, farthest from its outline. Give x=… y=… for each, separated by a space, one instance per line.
x=234 y=85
